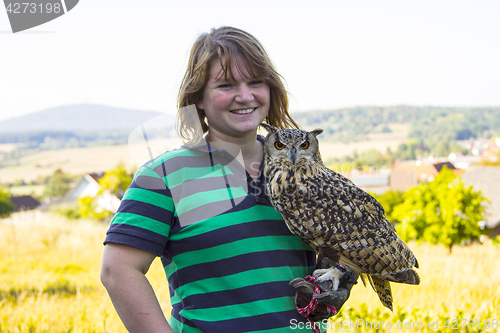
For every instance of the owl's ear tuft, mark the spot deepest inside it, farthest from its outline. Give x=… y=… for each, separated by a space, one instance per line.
x=269 y=128
x=317 y=131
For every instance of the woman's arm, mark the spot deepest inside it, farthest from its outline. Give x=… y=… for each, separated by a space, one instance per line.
x=123 y=274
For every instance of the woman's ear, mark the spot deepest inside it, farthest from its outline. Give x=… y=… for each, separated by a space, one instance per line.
x=199 y=104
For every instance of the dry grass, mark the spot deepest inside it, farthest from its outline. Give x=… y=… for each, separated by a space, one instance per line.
x=49 y=276
x=73 y=161
x=470 y=274
x=35 y=190
x=78 y=161
x=94 y=159
x=7 y=147
x=49 y=282
x=380 y=142
x=462 y=285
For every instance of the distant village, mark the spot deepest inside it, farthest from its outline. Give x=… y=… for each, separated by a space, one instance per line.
x=473 y=170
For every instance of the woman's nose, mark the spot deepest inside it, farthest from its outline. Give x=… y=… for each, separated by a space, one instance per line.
x=244 y=94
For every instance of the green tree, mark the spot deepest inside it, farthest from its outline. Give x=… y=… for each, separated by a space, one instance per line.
x=389 y=200
x=7 y=207
x=116 y=180
x=57 y=184
x=443 y=211
x=407 y=150
x=88 y=209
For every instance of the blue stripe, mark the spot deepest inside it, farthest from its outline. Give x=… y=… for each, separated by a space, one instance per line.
x=122 y=234
x=249 y=294
x=259 y=228
x=279 y=320
x=144 y=209
x=242 y=263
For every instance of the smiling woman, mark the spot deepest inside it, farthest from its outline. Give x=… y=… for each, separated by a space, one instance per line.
x=227 y=253
x=234 y=106
x=223 y=54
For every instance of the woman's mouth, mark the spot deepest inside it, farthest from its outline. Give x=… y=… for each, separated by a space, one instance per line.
x=243 y=111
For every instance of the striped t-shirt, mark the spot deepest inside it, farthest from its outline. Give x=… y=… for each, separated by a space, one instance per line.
x=227 y=252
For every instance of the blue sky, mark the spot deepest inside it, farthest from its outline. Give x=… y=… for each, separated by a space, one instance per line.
x=332 y=54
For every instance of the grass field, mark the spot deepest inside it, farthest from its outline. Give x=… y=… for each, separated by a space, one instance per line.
x=76 y=161
x=49 y=282
x=35 y=190
x=49 y=276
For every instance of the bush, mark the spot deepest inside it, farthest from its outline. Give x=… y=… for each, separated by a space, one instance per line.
x=87 y=208
x=7 y=207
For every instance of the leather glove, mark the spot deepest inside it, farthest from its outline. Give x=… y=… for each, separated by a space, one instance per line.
x=327 y=296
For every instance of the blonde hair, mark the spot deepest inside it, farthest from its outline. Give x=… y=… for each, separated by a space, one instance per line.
x=226 y=44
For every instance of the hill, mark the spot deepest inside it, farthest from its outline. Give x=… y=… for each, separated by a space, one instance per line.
x=79 y=125
x=425 y=123
x=434 y=130
x=78 y=118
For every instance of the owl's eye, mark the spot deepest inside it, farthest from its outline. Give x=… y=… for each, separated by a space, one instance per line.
x=279 y=145
x=304 y=145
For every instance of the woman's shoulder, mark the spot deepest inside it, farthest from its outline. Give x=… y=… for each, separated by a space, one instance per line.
x=174 y=159
x=182 y=151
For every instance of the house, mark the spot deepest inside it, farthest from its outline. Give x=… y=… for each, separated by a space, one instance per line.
x=487 y=180
x=377 y=181
x=88 y=185
x=25 y=202
x=401 y=180
x=406 y=174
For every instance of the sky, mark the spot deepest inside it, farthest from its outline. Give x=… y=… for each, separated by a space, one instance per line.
x=332 y=54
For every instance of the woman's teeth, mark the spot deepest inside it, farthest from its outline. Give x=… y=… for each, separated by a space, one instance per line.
x=243 y=111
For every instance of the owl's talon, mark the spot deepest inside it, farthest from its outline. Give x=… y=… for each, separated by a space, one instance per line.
x=303 y=286
x=330 y=275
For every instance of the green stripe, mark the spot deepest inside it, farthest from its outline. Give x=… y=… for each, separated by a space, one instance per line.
x=252 y=214
x=239 y=280
x=182 y=152
x=141 y=222
x=147 y=172
x=233 y=249
x=203 y=198
x=234 y=311
x=177 y=326
x=165 y=157
x=186 y=174
x=149 y=197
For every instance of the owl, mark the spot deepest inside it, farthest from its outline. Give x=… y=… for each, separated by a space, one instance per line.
x=330 y=213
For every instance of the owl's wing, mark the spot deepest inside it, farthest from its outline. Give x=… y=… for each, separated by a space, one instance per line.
x=369 y=201
x=355 y=227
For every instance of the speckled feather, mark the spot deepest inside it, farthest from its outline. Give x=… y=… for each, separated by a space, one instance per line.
x=329 y=212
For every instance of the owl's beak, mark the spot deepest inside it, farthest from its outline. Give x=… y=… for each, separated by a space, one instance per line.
x=293 y=156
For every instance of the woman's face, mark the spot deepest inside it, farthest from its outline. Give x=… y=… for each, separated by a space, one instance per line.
x=234 y=108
